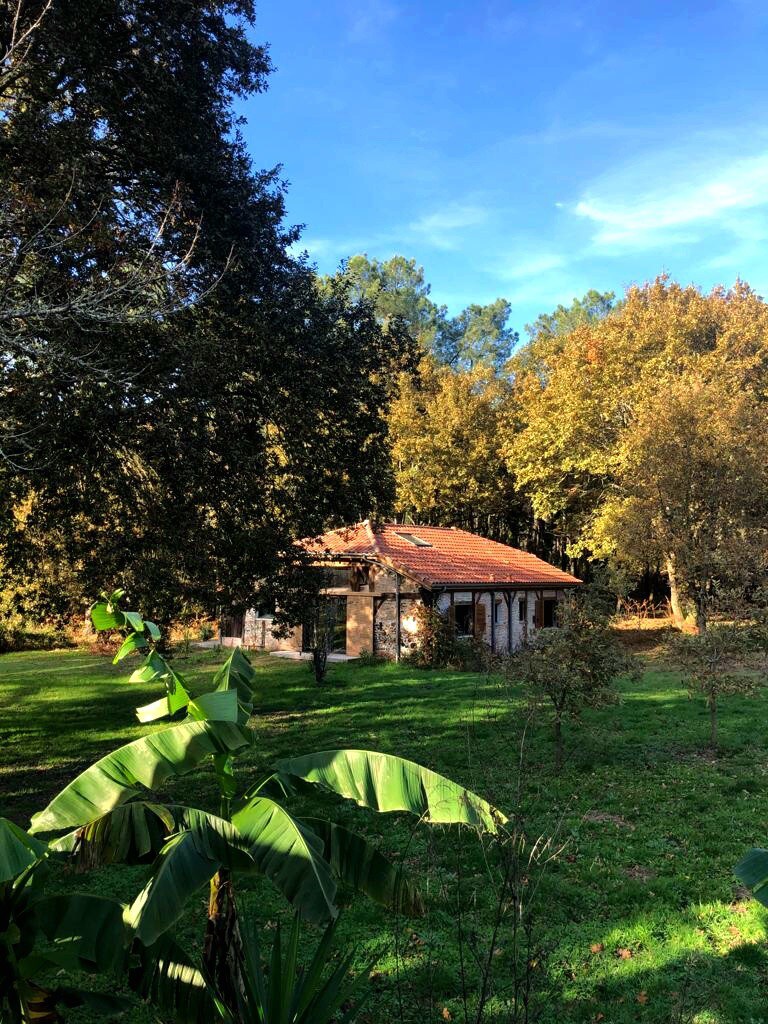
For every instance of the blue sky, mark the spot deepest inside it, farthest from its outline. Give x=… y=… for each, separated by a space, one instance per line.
x=524 y=150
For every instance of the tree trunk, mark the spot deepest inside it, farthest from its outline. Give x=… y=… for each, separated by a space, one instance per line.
x=558 y=742
x=701 y=618
x=222 y=948
x=680 y=614
x=713 y=724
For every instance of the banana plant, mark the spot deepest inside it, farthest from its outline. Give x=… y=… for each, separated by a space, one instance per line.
x=106 y=815
x=141 y=636
x=41 y=934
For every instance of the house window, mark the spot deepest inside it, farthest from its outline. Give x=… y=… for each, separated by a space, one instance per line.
x=497 y=611
x=463 y=619
x=417 y=542
x=336 y=577
x=550 y=612
x=522 y=609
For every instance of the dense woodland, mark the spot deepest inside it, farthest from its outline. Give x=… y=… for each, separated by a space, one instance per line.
x=181 y=397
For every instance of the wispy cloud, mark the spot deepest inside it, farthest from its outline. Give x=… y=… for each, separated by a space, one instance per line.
x=688 y=196
x=522 y=267
x=441 y=228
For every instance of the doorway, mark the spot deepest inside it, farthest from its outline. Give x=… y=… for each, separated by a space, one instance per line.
x=332 y=620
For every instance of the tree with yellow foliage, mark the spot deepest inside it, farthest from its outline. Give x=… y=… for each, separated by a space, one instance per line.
x=645 y=436
x=446 y=434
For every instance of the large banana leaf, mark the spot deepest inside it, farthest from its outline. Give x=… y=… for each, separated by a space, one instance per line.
x=218 y=706
x=132 y=833
x=384 y=782
x=165 y=976
x=752 y=871
x=147 y=762
x=360 y=865
x=237 y=674
x=186 y=862
x=289 y=854
x=87 y=932
x=18 y=850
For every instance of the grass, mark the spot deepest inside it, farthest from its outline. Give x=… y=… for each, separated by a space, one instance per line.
x=639 y=918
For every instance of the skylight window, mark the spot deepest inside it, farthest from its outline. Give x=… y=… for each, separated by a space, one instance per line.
x=417 y=542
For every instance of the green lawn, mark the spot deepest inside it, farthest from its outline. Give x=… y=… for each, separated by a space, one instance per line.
x=639 y=917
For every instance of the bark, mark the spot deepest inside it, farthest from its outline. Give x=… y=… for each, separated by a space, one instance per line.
x=680 y=614
x=701 y=618
x=713 y=724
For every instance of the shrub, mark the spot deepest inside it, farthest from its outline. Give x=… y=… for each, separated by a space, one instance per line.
x=571 y=666
x=715 y=664
x=440 y=648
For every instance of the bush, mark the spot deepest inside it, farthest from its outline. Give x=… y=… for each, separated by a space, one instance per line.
x=440 y=648
x=570 y=667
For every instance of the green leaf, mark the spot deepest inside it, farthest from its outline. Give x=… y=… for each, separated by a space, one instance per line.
x=360 y=865
x=752 y=871
x=147 y=762
x=224 y=766
x=106 y=616
x=153 y=712
x=289 y=854
x=18 y=850
x=153 y=667
x=89 y=929
x=133 y=642
x=177 y=696
x=166 y=977
x=186 y=862
x=237 y=674
x=387 y=783
x=129 y=834
x=219 y=706
x=152 y=629
x=135 y=621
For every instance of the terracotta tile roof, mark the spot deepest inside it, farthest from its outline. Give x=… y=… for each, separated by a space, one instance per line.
x=446 y=556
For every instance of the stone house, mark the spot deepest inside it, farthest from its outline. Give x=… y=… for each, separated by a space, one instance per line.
x=377 y=575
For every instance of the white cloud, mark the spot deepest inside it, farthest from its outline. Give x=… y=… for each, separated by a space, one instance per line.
x=689 y=195
x=439 y=229
x=519 y=268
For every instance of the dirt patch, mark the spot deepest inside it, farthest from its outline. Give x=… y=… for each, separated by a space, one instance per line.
x=601 y=817
x=645 y=636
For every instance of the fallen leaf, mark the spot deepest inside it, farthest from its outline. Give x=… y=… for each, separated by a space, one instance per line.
x=642 y=998
x=447 y=1015
x=599 y=1017
x=733 y=930
x=624 y=954
x=596 y=947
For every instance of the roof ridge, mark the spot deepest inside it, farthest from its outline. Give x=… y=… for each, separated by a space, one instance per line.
x=371 y=532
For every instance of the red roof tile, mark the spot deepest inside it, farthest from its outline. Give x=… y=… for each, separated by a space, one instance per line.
x=450 y=557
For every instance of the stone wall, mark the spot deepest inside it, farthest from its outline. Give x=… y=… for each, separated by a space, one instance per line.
x=385 y=625
x=257 y=633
